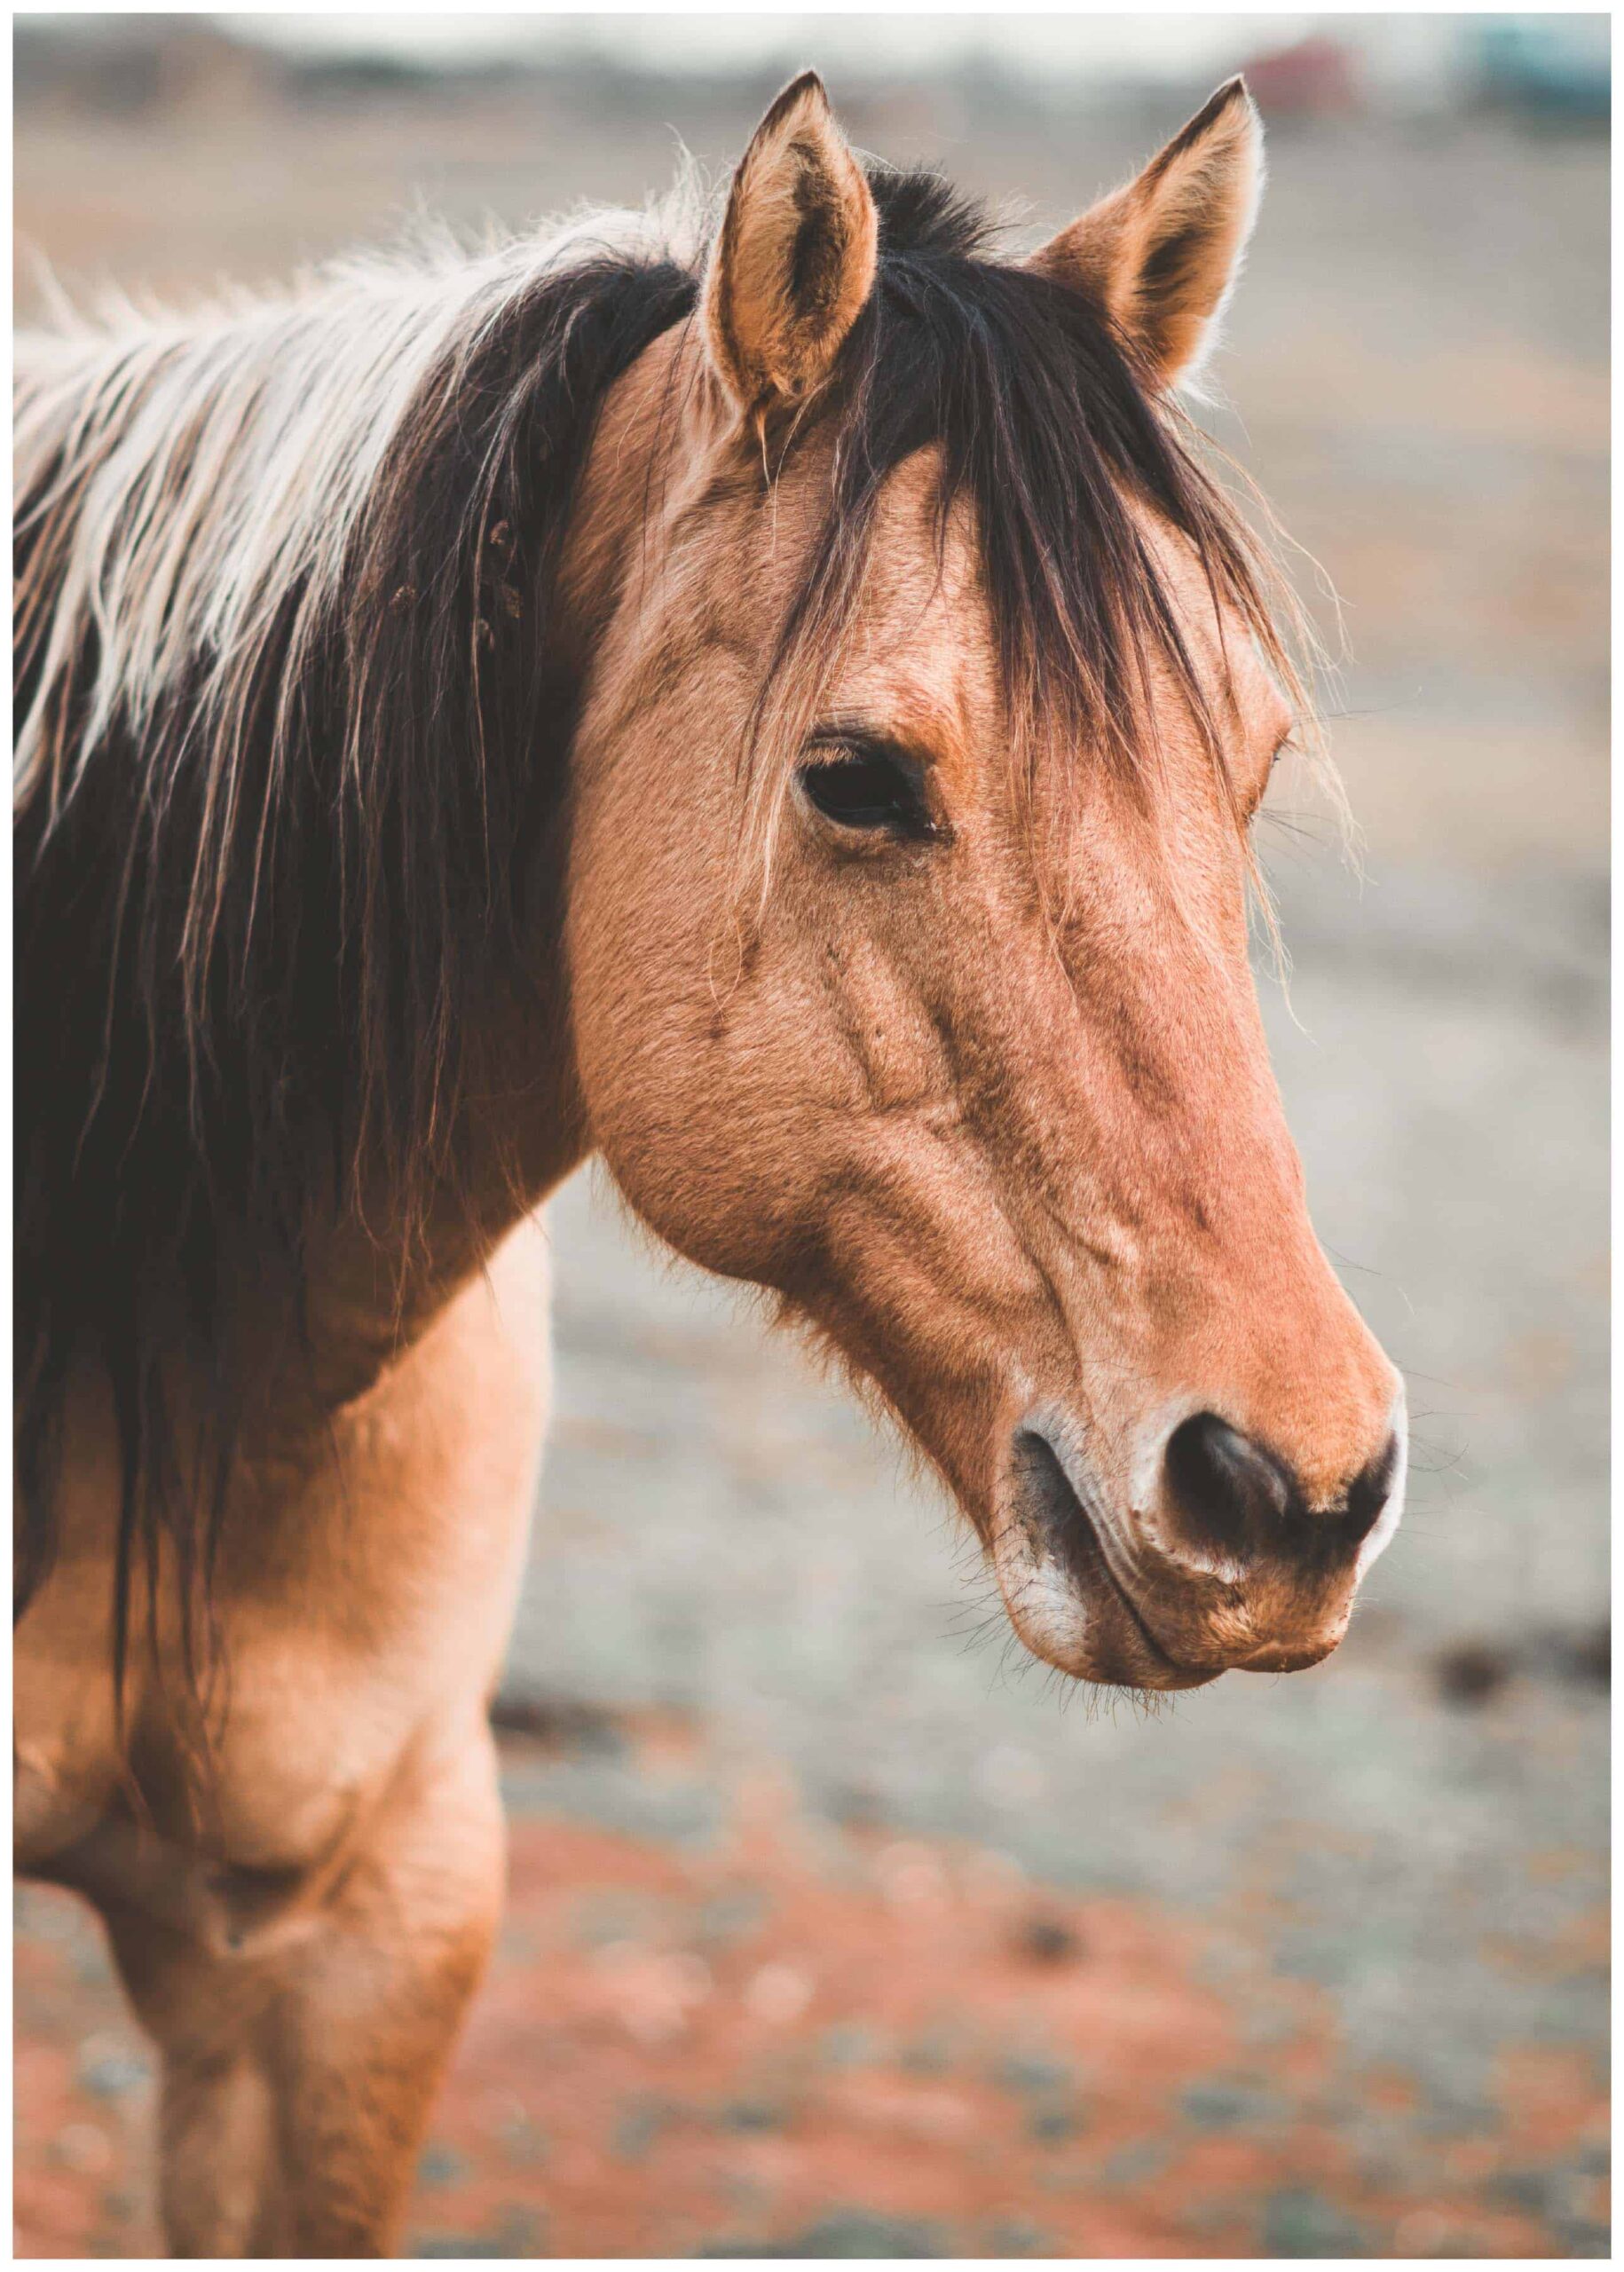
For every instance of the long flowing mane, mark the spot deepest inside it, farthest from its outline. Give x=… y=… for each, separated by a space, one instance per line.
x=290 y=728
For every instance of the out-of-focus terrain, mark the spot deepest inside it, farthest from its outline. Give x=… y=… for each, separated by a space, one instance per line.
x=835 y=1929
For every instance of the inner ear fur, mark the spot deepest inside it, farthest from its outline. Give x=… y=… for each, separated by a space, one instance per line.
x=794 y=262
x=1160 y=255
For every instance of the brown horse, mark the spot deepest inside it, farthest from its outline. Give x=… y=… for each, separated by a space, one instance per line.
x=783 y=713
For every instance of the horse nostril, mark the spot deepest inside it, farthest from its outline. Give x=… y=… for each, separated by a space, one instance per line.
x=1229 y=1492
x=1232 y=1494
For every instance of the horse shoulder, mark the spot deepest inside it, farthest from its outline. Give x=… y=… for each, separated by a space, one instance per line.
x=365 y=1587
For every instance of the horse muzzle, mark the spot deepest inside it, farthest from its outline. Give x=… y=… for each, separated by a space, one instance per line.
x=1225 y=1566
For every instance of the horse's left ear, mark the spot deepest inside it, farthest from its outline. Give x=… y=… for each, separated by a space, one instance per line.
x=1160 y=255
x=795 y=260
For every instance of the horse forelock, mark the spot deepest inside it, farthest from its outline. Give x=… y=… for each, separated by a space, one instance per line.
x=1064 y=464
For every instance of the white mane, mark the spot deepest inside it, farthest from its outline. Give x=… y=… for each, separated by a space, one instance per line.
x=219 y=461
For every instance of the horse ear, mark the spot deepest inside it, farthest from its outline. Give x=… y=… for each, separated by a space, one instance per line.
x=1160 y=255
x=795 y=261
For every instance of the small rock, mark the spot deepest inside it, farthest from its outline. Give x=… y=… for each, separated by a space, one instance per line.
x=637 y=2129
x=1023 y=2072
x=1014 y=2236
x=855 y=2232
x=752 y=2114
x=1298 y=2222
x=1046 y=1940
x=560 y=1723
x=1221 y=2105
x=1591 y=1655
x=1471 y=1672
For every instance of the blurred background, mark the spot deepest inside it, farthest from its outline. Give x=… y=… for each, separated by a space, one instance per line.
x=837 y=1928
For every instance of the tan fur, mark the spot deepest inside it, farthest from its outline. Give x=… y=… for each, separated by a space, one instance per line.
x=993 y=1113
x=795 y=258
x=1191 y=209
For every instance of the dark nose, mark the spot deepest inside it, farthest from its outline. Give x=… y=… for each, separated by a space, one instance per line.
x=1233 y=1495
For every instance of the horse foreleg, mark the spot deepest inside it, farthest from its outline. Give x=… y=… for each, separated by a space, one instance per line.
x=300 y=2069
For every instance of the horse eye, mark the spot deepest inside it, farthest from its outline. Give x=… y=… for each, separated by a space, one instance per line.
x=866 y=787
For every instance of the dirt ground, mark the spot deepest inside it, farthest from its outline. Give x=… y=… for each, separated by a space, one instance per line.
x=834 y=1930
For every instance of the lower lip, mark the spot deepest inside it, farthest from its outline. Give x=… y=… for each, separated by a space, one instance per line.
x=1090 y=1572
x=1287 y=1659
x=1168 y=1674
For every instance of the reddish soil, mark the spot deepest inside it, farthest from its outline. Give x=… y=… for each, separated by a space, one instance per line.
x=790 y=2038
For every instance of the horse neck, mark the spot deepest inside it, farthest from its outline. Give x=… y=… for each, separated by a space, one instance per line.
x=378 y=1274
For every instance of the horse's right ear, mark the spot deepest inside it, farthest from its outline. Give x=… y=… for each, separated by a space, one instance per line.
x=794 y=263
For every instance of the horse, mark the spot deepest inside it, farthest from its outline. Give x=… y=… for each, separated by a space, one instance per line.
x=779 y=704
